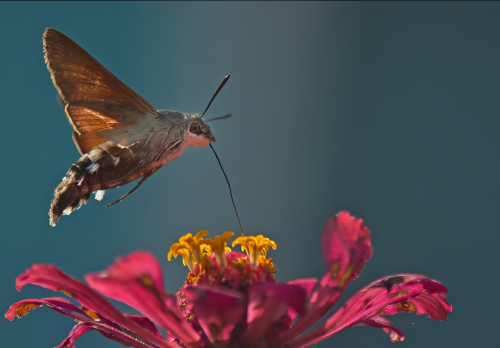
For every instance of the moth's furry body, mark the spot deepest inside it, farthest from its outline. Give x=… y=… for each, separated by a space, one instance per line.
x=120 y=136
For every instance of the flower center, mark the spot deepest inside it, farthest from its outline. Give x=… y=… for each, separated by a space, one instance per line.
x=212 y=262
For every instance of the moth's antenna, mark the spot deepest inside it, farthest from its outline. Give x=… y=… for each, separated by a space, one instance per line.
x=230 y=191
x=216 y=92
x=218 y=118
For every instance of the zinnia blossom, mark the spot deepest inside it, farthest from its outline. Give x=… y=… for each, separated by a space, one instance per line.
x=231 y=299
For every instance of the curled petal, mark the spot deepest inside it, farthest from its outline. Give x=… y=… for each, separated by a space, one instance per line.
x=61 y=305
x=428 y=302
x=50 y=277
x=217 y=311
x=87 y=323
x=380 y=322
x=75 y=333
x=346 y=246
x=401 y=293
x=136 y=280
x=81 y=328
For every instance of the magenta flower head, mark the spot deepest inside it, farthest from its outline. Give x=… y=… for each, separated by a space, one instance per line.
x=231 y=299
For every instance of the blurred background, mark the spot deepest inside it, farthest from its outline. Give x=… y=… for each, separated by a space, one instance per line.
x=387 y=110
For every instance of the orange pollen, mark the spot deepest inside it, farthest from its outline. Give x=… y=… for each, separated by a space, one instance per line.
x=406 y=306
x=25 y=309
x=400 y=293
x=91 y=314
x=67 y=293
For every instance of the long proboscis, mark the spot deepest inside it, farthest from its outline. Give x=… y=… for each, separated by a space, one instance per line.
x=230 y=190
x=215 y=153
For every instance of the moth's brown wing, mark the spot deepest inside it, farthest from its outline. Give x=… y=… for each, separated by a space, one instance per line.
x=87 y=141
x=95 y=100
x=93 y=134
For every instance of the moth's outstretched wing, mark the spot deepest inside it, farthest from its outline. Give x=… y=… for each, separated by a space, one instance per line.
x=87 y=141
x=95 y=100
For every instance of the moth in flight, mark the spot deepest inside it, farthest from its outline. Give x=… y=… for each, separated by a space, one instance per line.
x=120 y=136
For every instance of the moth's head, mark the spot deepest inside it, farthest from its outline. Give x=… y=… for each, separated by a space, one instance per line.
x=199 y=133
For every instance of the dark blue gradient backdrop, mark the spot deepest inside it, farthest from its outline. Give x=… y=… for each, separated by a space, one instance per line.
x=387 y=110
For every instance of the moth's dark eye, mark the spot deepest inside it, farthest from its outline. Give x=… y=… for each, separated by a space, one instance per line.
x=195 y=128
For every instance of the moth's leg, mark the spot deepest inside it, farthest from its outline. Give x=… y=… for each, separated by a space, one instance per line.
x=147 y=175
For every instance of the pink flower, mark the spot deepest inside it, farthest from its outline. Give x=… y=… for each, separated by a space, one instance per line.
x=231 y=299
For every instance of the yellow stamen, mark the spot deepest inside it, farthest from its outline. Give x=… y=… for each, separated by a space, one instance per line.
x=190 y=248
x=255 y=247
x=218 y=246
x=267 y=264
x=240 y=263
x=192 y=279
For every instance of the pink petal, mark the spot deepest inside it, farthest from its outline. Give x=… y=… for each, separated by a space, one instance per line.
x=136 y=280
x=430 y=302
x=50 y=277
x=346 y=246
x=308 y=286
x=268 y=303
x=141 y=321
x=134 y=265
x=109 y=329
x=61 y=305
x=400 y=293
x=217 y=311
x=145 y=323
x=75 y=333
x=81 y=328
x=386 y=325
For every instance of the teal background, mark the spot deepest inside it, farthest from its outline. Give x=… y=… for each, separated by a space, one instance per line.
x=389 y=110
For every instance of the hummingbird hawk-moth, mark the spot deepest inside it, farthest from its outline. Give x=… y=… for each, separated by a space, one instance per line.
x=120 y=136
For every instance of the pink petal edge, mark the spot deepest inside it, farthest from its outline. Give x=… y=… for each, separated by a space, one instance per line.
x=407 y=290
x=346 y=246
x=50 y=277
x=136 y=281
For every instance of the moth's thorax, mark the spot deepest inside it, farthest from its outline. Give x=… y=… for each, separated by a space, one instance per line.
x=165 y=138
x=176 y=116
x=197 y=133
x=195 y=115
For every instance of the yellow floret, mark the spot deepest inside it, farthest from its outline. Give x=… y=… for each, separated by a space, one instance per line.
x=190 y=248
x=255 y=247
x=267 y=264
x=218 y=246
